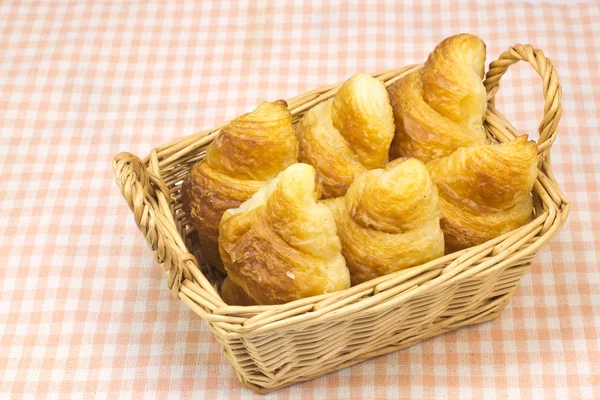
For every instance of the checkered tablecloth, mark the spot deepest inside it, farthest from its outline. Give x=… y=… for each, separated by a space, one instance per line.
x=84 y=311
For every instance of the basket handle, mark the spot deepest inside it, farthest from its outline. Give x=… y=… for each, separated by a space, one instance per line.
x=142 y=190
x=551 y=88
x=150 y=200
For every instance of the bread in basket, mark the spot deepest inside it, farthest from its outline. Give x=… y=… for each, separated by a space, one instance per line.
x=272 y=346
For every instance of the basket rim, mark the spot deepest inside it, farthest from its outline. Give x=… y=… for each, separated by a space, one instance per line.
x=149 y=198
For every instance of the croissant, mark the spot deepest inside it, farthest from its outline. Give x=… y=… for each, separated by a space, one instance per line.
x=281 y=245
x=389 y=220
x=235 y=167
x=234 y=295
x=485 y=190
x=346 y=135
x=441 y=107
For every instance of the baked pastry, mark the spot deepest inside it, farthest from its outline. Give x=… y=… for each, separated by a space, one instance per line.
x=441 y=107
x=234 y=295
x=485 y=190
x=344 y=136
x=281 y=245
x=389 y=220
x=245 y=155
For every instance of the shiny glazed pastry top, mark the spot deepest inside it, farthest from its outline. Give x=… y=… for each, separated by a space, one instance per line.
x=441 y=107
x=485 y=190
x=346 y=135
x=281 y=245
x=245 y=155
x=389 y=220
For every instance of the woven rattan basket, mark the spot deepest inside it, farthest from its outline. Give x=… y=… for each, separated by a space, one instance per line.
x=274 y=346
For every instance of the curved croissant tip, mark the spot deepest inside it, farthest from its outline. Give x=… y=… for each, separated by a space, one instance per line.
x=464 y=35
x=282 y=103
x=397 y=161
x=300 y=166
x=410 y=162
x=361 y=78
x=524 y=138
x=462 y=38
x=360 y=75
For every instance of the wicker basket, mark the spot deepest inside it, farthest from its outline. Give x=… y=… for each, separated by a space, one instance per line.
x=274 y=346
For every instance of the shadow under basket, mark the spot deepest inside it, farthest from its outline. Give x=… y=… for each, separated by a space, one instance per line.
x=271 y=347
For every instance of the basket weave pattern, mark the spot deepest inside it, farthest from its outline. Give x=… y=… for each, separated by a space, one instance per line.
x=275 y=346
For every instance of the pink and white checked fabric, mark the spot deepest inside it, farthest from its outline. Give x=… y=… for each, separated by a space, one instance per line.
x=84 y=312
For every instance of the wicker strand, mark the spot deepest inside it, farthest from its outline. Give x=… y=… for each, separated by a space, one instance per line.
x=551 y=88
x=149 y=199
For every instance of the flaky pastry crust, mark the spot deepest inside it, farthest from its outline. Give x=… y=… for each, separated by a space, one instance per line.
x=347 y=135
x=245 y=155
x=389 y=220
x=485 y=190
x=441 y=107
x=281 y=245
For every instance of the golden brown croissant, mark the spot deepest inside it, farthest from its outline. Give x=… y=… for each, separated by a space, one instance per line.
x=389 y=220
x=441 y=107
x=281 y=245
x=234 y=295
x=346 y=135
x=485 y=190
x=246 y=154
